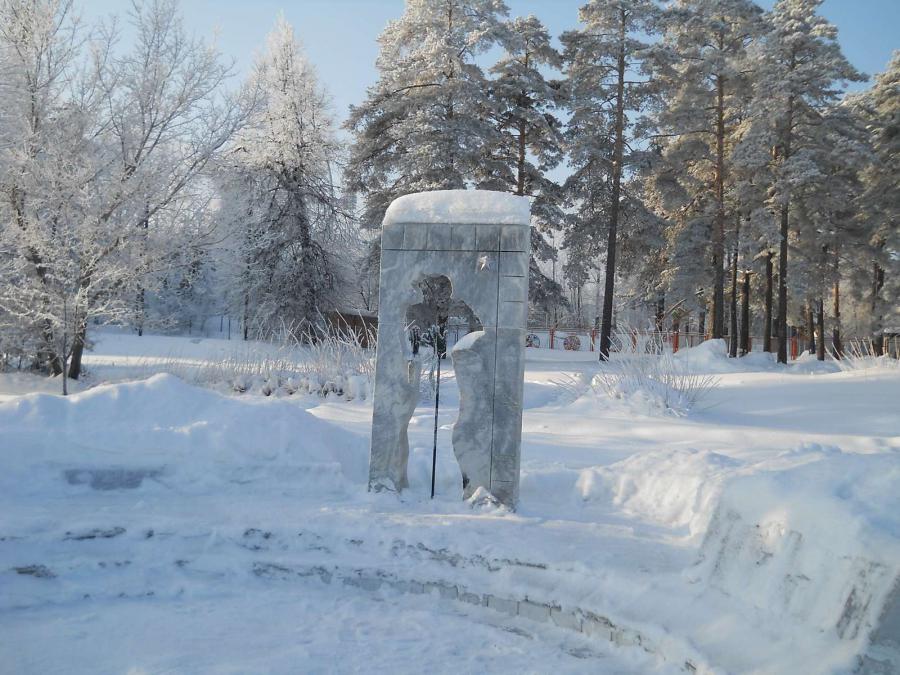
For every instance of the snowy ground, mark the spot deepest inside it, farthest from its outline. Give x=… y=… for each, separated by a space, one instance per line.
x=153 y=526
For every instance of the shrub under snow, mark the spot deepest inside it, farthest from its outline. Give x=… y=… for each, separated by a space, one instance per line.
x=642 y=370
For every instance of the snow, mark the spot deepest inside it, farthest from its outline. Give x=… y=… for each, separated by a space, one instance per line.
x=152 y=525
x=460 y=206
x=467 y=340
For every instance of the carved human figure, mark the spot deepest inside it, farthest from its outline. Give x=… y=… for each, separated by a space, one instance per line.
x=480 y=242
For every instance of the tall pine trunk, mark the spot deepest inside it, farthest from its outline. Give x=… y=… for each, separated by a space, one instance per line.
x=733 y=326
x=820 y=329
x=837 y=345
x=783 y=243
x=767 y=320
x=733 y=310
x=660 y=312
x=718 y=243
x=810 y=328
x=520 y=161
x=745 y=314
x=618 y=151
x=877 y=285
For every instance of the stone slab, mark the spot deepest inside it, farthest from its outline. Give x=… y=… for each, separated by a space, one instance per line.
x=515 y=238
x=392 y=237
x=534 y=611
x=566 y=619
x=502 y=605
x=487 y=237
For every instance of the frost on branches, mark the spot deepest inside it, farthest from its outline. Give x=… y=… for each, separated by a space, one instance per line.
x=97 y=150
x=286 y=220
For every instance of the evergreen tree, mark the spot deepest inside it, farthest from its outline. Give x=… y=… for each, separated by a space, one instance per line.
x=280 y=194
x=879 y=109
x=529 y=142
x=831 y=241
x=800 y=64
x=426 y=124
x=702 y=87
x=601 y=57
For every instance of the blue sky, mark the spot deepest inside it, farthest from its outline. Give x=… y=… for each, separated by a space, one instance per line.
x=340 y=35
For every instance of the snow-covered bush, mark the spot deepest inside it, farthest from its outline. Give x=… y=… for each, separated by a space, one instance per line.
x=860 y=355
x=334 y=361
x=643 y=369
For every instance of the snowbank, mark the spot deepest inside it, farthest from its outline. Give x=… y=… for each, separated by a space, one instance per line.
x=816 y=544
x=460 y=206
x=808 y=539
x=675 y=488
x=711 y=356
x=184 y=436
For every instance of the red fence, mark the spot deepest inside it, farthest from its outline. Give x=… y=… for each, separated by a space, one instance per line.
x=573 y=339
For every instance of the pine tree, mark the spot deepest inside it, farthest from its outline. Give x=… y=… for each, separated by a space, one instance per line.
x=426 y=123
x=879 y=109
x=285 y=213
x=800 y=64
x=600 y=58
x=831 y=241
x=529 y=142
x=702 y=88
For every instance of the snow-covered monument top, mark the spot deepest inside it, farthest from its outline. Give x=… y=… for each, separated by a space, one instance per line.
x=480 y=241
x=459 y=206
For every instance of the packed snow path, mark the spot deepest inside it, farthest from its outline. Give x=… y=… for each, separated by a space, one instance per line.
x=159 y=526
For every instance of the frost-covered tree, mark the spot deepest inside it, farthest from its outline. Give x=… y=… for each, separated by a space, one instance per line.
x=879 y=110
x=701 y=85
x=279 y=194
x=38 y=43
x=529 y=142
x=167 y=116
x=96 y=151
x=426 y=124
x=602 y=58
x=800 y=65
x=831 y=240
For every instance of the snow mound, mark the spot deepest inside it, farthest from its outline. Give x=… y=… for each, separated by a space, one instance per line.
x=467 y=341
x=173 y=434
x=817 y=544
x=460 y=206
x=711 y=356
x=675 y=488
x=807 y=540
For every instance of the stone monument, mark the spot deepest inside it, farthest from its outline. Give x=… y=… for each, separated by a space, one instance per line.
x=480 y=241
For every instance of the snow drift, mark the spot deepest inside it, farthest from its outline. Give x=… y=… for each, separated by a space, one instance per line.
x=185 y=436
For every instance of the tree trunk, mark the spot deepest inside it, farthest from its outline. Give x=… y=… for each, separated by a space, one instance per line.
x=701 y=325
x=618 y=150
x=246 y=315
x=718 y=242
x=837 y=346
x=47 y=356
x=745 y=315
x=660 y=312
x=782 y=288
x=733 y=323
x=520 y=163
x=78 y=343
x=820 y=329
x=141 y=308
x=877 y=285
x=783 y=241
x=811 y=328
x=767 y=321
x=141 y=300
